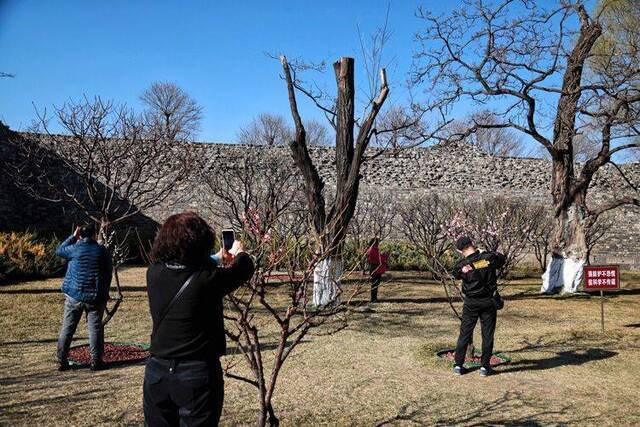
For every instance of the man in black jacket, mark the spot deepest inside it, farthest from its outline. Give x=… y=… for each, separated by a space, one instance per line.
x=478 y=272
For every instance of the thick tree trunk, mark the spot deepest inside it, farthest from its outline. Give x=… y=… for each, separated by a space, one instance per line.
x=331 y=226
x=326 y=281
x=569 y=244
x=564 y=270
x=569 y=248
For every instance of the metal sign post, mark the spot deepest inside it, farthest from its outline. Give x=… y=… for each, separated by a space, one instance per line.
x=602 y=309
x=601 y=277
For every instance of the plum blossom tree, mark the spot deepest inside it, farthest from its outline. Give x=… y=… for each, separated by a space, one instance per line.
x=110 y=165
x=262 y=199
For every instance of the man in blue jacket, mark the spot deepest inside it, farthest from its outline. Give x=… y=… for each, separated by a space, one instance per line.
x=86 y=288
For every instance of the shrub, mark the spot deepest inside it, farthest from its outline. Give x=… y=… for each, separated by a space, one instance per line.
x=25 y=255
x=403 y=256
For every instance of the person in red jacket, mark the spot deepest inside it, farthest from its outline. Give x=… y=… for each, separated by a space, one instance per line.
x=377 y=266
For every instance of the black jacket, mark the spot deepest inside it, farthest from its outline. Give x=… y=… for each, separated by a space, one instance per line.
x=481 y=281
x=193 y=328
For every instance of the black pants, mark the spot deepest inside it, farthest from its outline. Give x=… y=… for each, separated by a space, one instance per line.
x=473 y=309
x=184 y=392
x=375 y=283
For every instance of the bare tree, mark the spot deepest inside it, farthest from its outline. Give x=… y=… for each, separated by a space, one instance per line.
x=265 y=344
x=600 y=228
x=502 y=224
x=271 y=130
x=110 y=165
x=263 y=199
x=540 y=238
x=521 y=55
x=170 y=108
x=503 y=142
x=423 y=221
x=374 y=216
x=317 y=134
x=263 y=177
x=620 y=37
x=330 y=225
x=398 y=128
x=266 y=129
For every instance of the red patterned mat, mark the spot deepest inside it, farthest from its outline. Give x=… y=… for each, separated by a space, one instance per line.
x=114 y=353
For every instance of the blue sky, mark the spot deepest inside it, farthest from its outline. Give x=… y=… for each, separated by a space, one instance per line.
x=215 y=50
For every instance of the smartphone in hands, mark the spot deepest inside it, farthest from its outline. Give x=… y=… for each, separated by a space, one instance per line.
x=228 y=237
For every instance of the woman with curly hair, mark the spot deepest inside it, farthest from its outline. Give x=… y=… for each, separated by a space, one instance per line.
x=183 y=381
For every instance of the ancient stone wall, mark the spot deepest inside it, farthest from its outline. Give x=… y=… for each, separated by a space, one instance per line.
x=453 y=169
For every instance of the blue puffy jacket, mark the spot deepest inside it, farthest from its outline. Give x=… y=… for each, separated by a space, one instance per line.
x=89 y=271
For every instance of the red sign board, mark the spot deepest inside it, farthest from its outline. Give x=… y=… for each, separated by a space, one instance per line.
x=601 y=277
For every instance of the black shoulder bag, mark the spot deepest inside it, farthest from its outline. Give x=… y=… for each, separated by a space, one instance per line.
x=185 y=285
x=497 y=300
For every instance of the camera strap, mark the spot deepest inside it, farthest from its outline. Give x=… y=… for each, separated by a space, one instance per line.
x=185 y=285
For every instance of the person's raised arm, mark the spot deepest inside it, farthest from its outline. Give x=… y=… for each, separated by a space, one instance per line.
x=65 y=250
x=241 y=269
x=497 y=260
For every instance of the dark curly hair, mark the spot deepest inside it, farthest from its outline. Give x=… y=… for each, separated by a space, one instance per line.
x=184 y=238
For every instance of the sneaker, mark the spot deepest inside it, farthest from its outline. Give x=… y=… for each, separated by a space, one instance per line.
x=96 y=365
x=485 y=372
x=459 y=370
x=63 y=365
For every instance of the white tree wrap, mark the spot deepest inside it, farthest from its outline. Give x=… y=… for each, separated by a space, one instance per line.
x=326 y=280
x=564 y=274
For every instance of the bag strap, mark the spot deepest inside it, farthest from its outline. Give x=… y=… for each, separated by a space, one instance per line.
x=172 y=302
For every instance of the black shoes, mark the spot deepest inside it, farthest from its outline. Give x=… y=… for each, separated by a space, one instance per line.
x=96 y=365
x=459 y=370
x=485 y=372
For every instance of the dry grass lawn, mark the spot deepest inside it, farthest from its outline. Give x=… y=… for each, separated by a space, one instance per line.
x=378 y=371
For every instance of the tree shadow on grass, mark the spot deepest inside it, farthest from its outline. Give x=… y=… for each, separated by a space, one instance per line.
x=511 y=409
x=395 y=321
x=263 y=347
x=76 y=397
x=561 y=358
x=401 y=300
x=30 y=291
x=40 y=341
